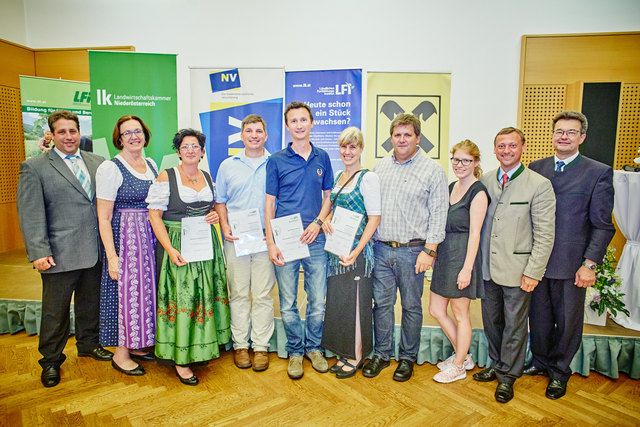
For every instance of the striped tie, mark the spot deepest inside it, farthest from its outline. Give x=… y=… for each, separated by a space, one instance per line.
x=559 y=166
x=78 y=172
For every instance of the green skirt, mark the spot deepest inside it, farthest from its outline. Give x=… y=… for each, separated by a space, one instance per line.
x=193 y=305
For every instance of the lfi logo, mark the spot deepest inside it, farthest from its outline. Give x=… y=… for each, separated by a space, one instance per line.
x=82 y=97
x=103 y=97
x=343 y=88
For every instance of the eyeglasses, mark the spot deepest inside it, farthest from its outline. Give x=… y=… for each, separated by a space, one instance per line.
x=129 y=133
x=465 y=162
x=194 y=147
x=570 y=133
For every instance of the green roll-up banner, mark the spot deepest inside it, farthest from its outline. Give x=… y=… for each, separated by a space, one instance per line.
x=141 y=84
x=41 y=97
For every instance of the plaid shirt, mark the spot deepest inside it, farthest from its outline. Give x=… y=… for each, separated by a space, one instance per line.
x=415 y=199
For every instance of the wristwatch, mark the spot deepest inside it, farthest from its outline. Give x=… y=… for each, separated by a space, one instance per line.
x=318 y=221
x=591 y=267
x=429 y=252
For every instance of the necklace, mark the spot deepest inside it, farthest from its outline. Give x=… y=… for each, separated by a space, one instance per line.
x=191 y=180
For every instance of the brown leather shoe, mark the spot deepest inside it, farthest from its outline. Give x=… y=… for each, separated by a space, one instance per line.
x=260 y=361
x=241 y=358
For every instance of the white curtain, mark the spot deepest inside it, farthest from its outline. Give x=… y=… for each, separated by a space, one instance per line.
x=626 y=210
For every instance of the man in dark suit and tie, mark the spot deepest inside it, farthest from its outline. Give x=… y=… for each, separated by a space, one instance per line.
x=584 y=194
x=57 y=212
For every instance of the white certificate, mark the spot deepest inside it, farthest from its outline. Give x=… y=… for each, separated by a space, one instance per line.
x=345 y=224
x=286 y=233
x=246 y=225
x=196 y=243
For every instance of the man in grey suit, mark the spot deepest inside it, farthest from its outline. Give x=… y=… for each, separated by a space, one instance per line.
x=57 y=213
x=516 y=242
x=584 y=194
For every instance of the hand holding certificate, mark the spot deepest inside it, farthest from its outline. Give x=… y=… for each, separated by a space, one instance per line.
x=345 y=224
x=196 y=243
x=247 y=227
x=286 y=234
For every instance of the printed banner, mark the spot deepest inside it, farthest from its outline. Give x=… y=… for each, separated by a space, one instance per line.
x=221 y=98
x=335 y=98
x=425 y=95
x=141 y=84
x=40 y=97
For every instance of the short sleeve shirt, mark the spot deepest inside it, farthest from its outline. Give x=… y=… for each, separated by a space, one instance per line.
x=297 y=184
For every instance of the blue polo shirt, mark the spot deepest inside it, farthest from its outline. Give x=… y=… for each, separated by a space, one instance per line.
x=298 y=184
x=240 y=186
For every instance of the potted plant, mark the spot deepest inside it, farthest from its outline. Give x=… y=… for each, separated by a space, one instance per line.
x=604 y=296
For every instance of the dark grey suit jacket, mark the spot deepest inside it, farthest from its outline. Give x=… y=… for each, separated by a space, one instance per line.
x=56 y=216
x=584 y=202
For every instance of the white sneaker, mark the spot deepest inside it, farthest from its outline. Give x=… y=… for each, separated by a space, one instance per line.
x=468 y=363
x=450 y=374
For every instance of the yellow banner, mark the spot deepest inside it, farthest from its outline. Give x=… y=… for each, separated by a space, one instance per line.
x=425 y=95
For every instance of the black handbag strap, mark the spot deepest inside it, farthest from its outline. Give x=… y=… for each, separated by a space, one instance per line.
x=333 y=200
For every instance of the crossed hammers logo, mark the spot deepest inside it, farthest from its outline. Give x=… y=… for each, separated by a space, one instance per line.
x=425 y=109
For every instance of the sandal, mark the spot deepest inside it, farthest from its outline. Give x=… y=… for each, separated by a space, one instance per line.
x=337 y=366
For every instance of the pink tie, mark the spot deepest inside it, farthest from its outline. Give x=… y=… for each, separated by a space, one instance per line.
x=505 y=178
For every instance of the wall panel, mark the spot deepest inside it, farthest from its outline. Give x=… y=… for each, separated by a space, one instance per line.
x=67 y=64
x=14 y=61
x=628 y=125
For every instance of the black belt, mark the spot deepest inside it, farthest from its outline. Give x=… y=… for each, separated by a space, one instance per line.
x=414 y=242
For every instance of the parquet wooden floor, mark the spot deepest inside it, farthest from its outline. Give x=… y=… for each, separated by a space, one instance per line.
x=92 y=393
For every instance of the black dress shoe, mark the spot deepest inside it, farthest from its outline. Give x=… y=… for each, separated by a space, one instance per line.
x=485 y=376
x=403 y=371
x=504 y=392
x=556 y=389
x=50 y=376
x=97 y=353
x=188 y=381
x=533 y=370
x=342 y=373
x=374 y=367
x=137 y=371
x=147 y=357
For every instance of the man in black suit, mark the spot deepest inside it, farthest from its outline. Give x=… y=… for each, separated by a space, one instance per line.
x=57 y=213
x=584 y=202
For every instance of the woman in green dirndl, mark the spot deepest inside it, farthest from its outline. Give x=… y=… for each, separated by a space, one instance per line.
x=193 y=305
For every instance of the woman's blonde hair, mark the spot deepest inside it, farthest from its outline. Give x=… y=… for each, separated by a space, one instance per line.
x=351 y=135
x=471 y=149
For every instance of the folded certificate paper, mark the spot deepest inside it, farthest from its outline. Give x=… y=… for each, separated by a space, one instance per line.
x=286 y=233
x=246 y=225
x=196 y=243
x=345 y=224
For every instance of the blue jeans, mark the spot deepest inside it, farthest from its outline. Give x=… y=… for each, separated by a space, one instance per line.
x=394 y=269
x=315 y=285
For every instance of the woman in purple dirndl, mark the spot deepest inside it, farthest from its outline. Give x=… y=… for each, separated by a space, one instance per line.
x=128 y=287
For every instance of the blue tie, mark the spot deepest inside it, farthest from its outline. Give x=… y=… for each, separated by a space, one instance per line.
x=79 y=173
x=559 y=166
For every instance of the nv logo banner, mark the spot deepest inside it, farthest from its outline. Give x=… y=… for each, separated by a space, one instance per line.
x=425 y=107
x=224 y=80
x=222 y=128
